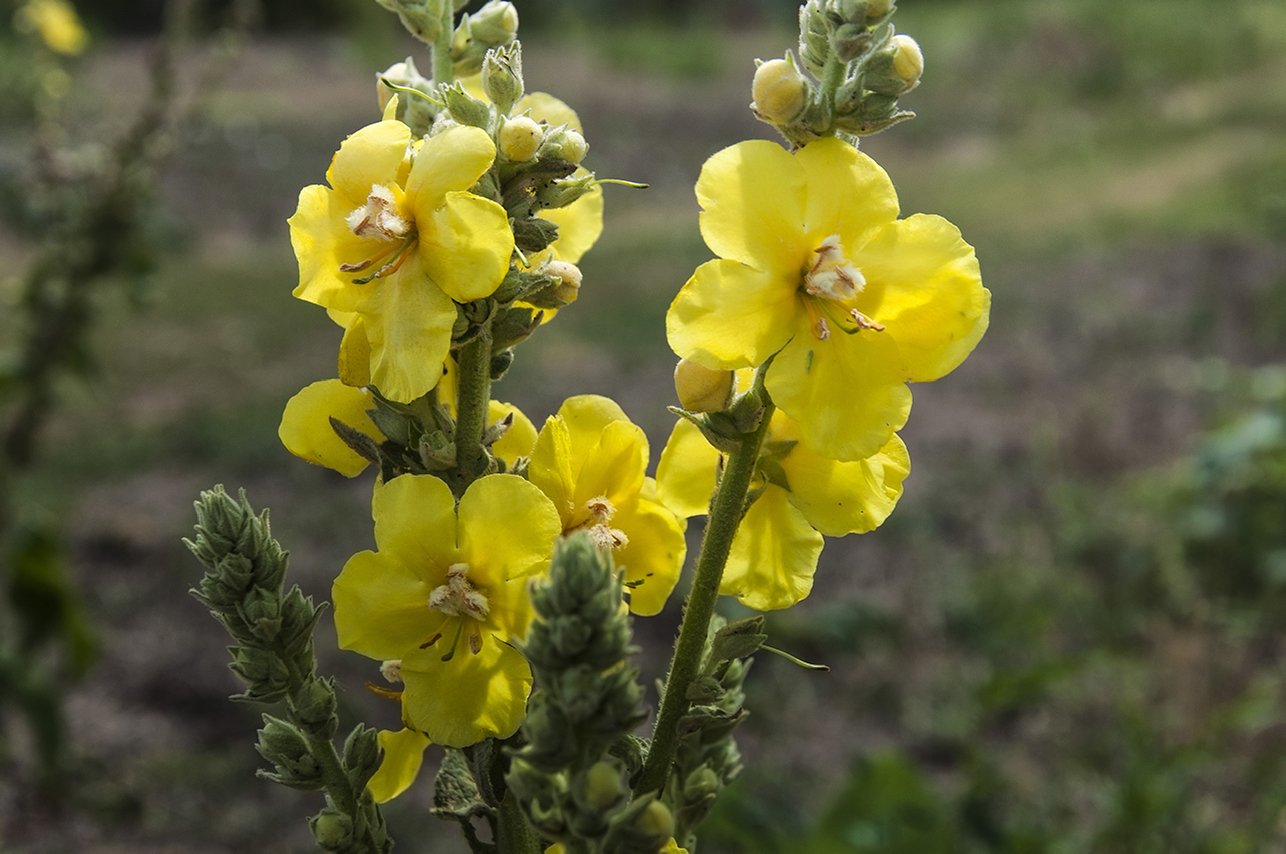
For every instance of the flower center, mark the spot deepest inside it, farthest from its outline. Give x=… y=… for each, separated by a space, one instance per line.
x=600 y=533
x=378 y=219
x=458 y=597
x=832 y=278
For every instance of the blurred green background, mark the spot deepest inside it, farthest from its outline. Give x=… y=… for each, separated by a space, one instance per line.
x=1068 y=638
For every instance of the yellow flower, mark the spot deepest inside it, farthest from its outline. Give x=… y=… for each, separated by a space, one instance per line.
x=801 y=495
x=56 y=23
x=307 y=433
x=815 y=267
x=400 y=765
x=670 y=847
x=591 y=462
x=393 y=243
x=445 y=596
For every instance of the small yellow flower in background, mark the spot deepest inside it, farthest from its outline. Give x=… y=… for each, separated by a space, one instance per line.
x=816 y=268
x=591 y=461
x=393 y=243
x=56 y=24
x=400 y=765
x=445 y=595
x=670 y=847
x=801 y=495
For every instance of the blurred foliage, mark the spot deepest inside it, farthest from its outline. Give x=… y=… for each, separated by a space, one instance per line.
x=1124 y=695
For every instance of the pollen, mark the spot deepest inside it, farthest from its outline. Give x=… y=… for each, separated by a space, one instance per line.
x=378 y=218
x=458 y=597
x=832 y=275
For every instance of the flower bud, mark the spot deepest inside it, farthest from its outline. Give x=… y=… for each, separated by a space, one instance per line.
x=604 y=786
x=780 y=92
x=466 y=109
x=896 y=69
x=520 y=138
x=656 y=821
x=361 y=755
x=564 y=143
x=283 y=745
x=849 y=41
x=878 y=8
x=701 y=389
x=495 y=24
x=316 y=708
x=569 y=278
x=502 y=76
x=332 y=829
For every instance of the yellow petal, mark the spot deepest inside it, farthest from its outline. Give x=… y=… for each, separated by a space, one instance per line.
x=449 y=161
x=579 y=225
x=849 y=195
x=472 y=697
x=611 y=466
x=551 y=467
x=839 y=498
x=354 y=363
x=400 y=764
x=382 y=606
x=923 y=284
x=519 y=439
x=653 y=557
x=372 y=155
x=408 y=323
x=322 y=242
x=544 y=107
x=774 y=554
x=686 y=475
x=847 y=392
x=415 y=520
x=730 y=316
x=752 y=198
x=507 y=529
x=306 y=431
x=465 y=244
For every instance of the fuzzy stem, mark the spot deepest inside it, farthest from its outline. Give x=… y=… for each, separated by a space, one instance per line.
x=725 y=515
x=443 y=66
x=474 y=379
x=515 y=835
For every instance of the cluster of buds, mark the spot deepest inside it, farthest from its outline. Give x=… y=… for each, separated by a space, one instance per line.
x=852 y=67
x=494 y=25
x=572 y=777
x=273 y=655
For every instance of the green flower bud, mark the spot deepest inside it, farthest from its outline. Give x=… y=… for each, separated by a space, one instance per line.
x=495 y=24
x=316 y=708
x=283 y=745
x=896 y=69
x=849 y=41
x=361 y=755
x=604 y=787
x=701 y=784
x=655 y=822
x=564 y=143
x=332 y=829
x=702 y=389
x=560 y=194
x=780 y=92
x=502 y=76
x=261 y=610
x=466 y=109
x=520 y=138
x=532 y=234
x=878 y=8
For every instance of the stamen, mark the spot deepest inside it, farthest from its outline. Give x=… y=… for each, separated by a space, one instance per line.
x=455 y=641
x=864 y=322
x=475 y=643
x=392 y=670
x=392 y=266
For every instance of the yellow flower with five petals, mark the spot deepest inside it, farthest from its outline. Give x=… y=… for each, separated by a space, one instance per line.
x=393 y=243
x=444 y=597
x=816 y=268
x=591 y=461
x=800 y=495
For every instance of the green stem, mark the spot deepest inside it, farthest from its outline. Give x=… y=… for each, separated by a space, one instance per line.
x=515 y=835
x=474 y=382
x=443 y=67
x=725 y=515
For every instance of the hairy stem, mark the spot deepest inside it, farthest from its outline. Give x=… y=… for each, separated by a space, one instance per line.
x=443 y=67
x=471 y=405
x=725 y=515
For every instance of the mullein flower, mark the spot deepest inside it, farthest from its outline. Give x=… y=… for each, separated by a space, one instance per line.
x=800 y=495
x=444 y=597
x=403 y=757
x=816 y=268
x=307 y=433
x=393 y=243
x=590 y=459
